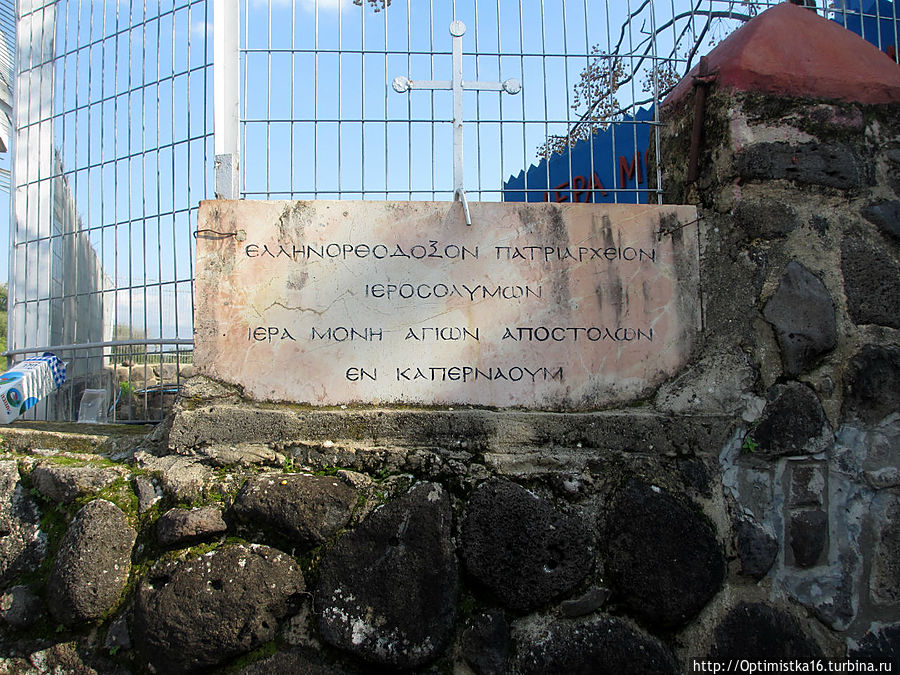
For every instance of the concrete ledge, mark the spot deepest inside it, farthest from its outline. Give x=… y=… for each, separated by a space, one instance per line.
x=104 y=439
x=470 y=430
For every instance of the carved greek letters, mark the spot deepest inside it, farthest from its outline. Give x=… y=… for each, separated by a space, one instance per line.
x=560 y=307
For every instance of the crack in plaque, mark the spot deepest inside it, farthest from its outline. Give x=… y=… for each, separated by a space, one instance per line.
x=308 y=309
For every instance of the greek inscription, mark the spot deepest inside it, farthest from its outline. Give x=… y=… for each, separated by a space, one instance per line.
x=440 y=291
x=446 y=333
x=579 y=254
x=474 y=374
x=268 y=334
x=360 y=374
x=345 y=251
x=576 y=333
x=343 y=334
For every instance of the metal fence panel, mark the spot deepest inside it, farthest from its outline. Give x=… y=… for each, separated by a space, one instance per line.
x=112 y=152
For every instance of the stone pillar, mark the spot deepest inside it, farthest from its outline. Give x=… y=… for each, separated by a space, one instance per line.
x=798 y=190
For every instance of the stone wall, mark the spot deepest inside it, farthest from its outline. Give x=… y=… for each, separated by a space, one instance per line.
x=749 y=509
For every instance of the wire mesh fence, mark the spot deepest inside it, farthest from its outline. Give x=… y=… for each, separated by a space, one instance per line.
x=112 y=152
x=114 y=147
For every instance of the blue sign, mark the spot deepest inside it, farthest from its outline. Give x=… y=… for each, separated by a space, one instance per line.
x=610 y=167
x=877 y=21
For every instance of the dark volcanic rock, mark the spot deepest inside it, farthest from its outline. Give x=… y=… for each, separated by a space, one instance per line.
x=808 y=163
x=761 y=633
x=302 y=507
x=886 y=215
x=881 y=645
x=593 y=599
x=387 y=591
x=885 y=576
x=765 y=219
x=21 y=607
x=92 y=565
x=58 y=659
x=802 y=313
x=521 y=547
x=147 y=491
x=195 y=613
x=756 y=549
x=663 y=560
x=792 y=423
x=298 y=662
x=183 y=526
x=22 y=544
x=871 y=283
x=604 y=645
x=870 y=384
x=485 y=643
x=808 y=536
x=64 y=484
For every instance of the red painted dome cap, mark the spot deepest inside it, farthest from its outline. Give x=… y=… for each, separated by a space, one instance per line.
x=789 y=50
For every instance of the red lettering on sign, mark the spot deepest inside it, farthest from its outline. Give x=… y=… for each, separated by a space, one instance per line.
x=581 y=188
x=627 y=171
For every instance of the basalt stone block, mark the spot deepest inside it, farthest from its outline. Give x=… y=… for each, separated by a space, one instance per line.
x=695 y=474
x=761 y=633
x=59 y=659
x=885 y=578
x=387 y=590
x=802 y=313
x=521 y=547
x=808 y=485
x=879 y=645
x=756 y=548
x=663 y=559
x=808 y=536
x=21 y=607
x=299 y=662
x=195 y=613
x=765 y=219
x=92 y=565
x=792 y=423
x=148 y=493
x=22 y=544
x=64 y=484
x=590 y=601
x=870 y=384
x=183 y=526
x=306 y=508
x=485 y=643
x=886 y=215
x=831 y=165
x=599 y=646
x=871 y=283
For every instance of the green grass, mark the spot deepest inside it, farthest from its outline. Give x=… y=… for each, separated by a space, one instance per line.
x=3 y=334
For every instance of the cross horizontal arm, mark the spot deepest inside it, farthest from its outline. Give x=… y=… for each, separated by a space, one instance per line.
x=430 y=84
x=511 y=86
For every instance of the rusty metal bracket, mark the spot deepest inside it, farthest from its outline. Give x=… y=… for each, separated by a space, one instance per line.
x=669 y=231
x=702 y=82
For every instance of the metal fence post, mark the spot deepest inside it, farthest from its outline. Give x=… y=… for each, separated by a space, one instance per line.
x=226 y=87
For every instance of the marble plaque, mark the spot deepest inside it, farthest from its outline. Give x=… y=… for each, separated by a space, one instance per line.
x=543 y=306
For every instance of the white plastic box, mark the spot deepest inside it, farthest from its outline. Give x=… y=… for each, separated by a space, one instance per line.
x=27 y=383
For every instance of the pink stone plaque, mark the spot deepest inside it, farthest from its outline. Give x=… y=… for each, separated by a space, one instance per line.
x=543 y=306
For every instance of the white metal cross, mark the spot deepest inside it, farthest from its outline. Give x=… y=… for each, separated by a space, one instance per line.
x=457 y=85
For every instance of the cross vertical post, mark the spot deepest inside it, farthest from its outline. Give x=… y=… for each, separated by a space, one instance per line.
x=226 y=69
x=457 y=30
x=457 y=85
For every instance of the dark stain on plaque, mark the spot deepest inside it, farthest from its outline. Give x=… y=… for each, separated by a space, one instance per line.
x=291 y=222
x=296 y=282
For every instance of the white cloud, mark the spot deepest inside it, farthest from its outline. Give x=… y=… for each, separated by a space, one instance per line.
x=306 y=5
x=202 y=29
